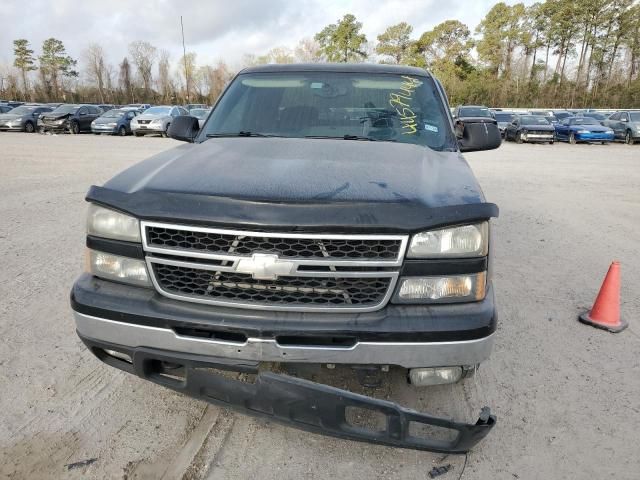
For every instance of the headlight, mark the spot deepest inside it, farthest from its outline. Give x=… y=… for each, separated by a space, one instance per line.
x=103 y=222
x=93 y=123
x=582 y=131
x=59 y=122
x=111 y=124
x=155 y=122
x=448 y=289
x=120 y=269
x=463 y=241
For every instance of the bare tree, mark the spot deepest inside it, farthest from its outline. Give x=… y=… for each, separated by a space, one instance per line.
x=96 y=68
x=125 y=80
x=308 y=51
x=164 y=76
x=143 y=55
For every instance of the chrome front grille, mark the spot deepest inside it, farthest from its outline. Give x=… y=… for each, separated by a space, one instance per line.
x=273 y=271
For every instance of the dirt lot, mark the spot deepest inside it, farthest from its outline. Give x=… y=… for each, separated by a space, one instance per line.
x=567 y=396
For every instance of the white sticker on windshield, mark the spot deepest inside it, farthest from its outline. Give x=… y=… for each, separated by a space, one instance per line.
x=431 y=128
x=316 y=85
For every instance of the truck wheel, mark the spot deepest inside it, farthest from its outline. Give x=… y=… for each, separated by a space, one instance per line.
x=29 y=128
x=628 y=139
x=519 y=137
x=74 y=128
x=122 y=131
x=572 y=138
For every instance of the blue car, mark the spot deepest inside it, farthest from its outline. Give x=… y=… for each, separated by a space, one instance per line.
x=116 y=121
x=582 y=129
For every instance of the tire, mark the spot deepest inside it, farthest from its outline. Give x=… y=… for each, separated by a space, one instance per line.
x=29 y=127
x=137 y=134
x=518 y=137
x=165 y=134
x=551 y=142
x=628 y=139
x=122 y=131
x=605 y=143
x=572 y=138
x=74 y=128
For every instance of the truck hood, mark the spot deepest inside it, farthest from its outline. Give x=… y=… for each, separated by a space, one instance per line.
x=57 y=116
x=253 y=180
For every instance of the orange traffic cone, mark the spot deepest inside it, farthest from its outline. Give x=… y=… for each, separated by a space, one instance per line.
x=605 y=313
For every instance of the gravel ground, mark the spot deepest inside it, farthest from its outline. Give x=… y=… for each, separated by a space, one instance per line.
x=567 y=396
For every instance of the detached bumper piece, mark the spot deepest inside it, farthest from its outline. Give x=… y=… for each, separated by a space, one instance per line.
x=300 y=403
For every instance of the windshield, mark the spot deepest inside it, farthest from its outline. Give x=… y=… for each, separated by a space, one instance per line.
x=584 y=121
x=349 y=106
x=158 y=111
x=22 y=110
x=200 y=113
x=597 y=116
x=534 y=120
x=113 y=114
x=504 y=117
x=474 y=112
x=562 y=115
x=62 y=109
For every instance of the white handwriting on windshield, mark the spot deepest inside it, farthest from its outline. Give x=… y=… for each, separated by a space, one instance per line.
x=401 y=102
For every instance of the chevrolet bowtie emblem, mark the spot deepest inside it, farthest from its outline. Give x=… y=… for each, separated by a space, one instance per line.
x=265 y=266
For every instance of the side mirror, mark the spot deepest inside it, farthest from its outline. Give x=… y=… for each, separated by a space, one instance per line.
x=184 y=128
x=478 y=134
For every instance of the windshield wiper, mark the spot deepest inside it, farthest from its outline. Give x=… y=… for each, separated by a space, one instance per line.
x=345 y=137
x=241 y=133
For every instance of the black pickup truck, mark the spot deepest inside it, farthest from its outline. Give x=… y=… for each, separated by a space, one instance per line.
x=322 y=215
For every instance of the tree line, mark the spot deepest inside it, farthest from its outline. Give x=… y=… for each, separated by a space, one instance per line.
x=555 y=53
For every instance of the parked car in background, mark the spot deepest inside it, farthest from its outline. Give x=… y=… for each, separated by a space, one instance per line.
x=141 y=107
x=70 y=118
x=625 y=125
x=23 y=118
x=600 y=117
x=156 y=120
x=201 y=114
x=116 y=121
x=472 y=111
x=548 y=114
x=561 y=114
x=11 y=103
x=105 y=107
x=503 y=118
x=4 y=108
x=530 y=128
x=582 y=129
x=191 y=106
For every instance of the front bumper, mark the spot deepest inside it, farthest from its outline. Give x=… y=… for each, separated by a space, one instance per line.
x=11 y=128
x=301 y=403
x=404 y=354
x=147 y=129
x=405 y=335
x=538 y=137
x=594 y=137
x=103 y=129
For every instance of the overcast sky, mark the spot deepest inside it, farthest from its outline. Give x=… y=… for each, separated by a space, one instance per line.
x=214 y=29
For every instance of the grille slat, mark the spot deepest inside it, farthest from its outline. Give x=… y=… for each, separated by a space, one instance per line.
x=290 y=291
x=285 y=247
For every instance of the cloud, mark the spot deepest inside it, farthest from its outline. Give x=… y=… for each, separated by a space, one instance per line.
x=213 y=29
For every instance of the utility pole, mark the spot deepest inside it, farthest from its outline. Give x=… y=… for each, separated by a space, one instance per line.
x=184 y=57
